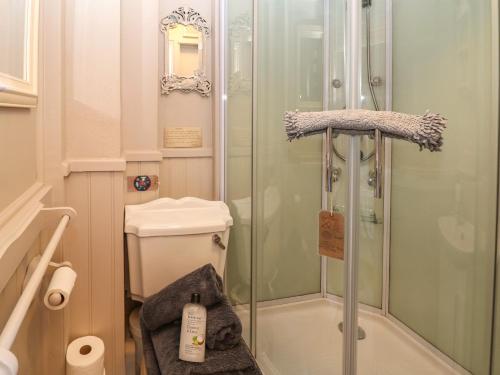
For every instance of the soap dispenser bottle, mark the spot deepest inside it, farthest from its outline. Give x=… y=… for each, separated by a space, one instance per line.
x=193 y=329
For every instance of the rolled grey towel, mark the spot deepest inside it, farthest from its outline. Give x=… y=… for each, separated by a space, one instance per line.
x=148 y=350
x=223 y=326
x=161 y=355
x=234 y=361
x=166 y=306
x=426 y=130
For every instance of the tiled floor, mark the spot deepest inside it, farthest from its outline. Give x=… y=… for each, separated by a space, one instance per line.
x=302 y=339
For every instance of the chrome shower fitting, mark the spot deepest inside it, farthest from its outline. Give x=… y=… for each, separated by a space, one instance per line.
x=372 y=177
x=373 y=81
x=375 y=180
x=376 y=81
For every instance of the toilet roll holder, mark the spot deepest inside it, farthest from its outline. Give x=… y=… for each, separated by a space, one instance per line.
x=34 y=263
x=38 y=221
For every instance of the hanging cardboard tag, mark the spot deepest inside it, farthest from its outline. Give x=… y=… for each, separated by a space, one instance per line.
x=331 y=234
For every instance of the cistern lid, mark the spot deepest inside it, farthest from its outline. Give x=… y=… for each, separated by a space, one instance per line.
x=174 y=217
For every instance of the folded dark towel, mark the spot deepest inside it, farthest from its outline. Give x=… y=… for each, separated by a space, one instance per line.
x=223 y=333
x=149 y=352
x=223 y=326
x=166 y=306
x=165 y=341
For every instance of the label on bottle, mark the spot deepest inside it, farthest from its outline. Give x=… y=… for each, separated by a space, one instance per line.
x=192 y=344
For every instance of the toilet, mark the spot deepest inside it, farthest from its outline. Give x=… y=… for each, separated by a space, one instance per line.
x=169 y=238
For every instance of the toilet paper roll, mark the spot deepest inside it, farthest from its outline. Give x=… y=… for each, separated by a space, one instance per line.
x=60 y=287
x=85 y=356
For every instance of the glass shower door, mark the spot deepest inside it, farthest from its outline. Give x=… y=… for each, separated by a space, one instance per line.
x=371 y=209
x=289 y=76
x=238 y=165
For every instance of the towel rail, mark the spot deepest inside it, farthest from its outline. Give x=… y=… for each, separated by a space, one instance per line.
x=19 y=312
x=379 y=161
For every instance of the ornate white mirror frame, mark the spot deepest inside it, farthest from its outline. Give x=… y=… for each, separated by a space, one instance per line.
x=197 y=82
x=22 y=91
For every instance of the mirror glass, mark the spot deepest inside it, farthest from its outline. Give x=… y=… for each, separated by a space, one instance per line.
x=185 y=32
x=13 y=36
x=240 y=41
x=185 y=51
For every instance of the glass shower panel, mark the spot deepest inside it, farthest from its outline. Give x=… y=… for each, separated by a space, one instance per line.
x=371 y=227
x=239 y=154
x=444 y=205
x=293 y=338
x=288 y=175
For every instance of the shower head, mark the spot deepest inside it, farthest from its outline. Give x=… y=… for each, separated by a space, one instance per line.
x=366 y=3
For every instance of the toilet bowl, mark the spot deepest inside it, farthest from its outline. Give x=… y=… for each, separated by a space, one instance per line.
x=135 y=331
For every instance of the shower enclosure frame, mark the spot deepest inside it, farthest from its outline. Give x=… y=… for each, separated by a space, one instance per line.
x=384 y=310
x=351 y=334
x=350 y=316
x=353 y=84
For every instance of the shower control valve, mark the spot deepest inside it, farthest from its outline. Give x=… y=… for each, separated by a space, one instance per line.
x=336 y=172
x=377 y=81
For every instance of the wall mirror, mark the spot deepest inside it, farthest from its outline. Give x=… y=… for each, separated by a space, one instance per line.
x=18 y=52
x=185 y=34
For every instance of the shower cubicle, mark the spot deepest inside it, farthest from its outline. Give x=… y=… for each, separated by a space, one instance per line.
x=427 y=248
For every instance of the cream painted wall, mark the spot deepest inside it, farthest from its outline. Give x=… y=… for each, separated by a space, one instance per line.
x=77 y=119
x=40 y=344
x=92 y=79
x=98 y=107
x=140 y=93
x=146 y=113
x=193 y=176
x=18 y=153
x=139 y=76
x=18 y=129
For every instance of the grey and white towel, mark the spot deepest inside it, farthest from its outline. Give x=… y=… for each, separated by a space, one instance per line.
x=223 y=326
x=166 y=306
x=234 y=361
x=425 y=130
x=150 y=361
x=160 y=325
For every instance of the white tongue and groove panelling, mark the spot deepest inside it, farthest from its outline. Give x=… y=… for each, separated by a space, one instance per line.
x=187 y=177
x=94 y=245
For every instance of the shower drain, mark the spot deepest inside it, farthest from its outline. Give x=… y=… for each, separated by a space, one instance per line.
x=361 y=331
